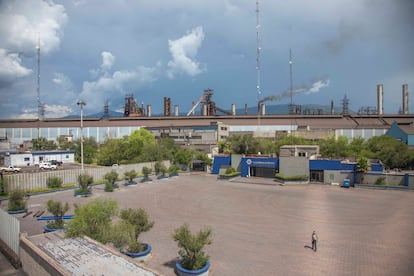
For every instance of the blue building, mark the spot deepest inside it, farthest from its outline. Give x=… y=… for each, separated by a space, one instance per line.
x=402 y=132
x=324 y=171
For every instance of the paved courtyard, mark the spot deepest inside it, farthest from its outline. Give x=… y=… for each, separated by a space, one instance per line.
x=264 y=229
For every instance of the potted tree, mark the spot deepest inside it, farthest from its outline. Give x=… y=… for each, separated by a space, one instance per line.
x=58 y=210
x=17 y=202
x=146 y=172
x=194 y=261
x=130 y=175
x=110 y=183
x=84 y=189
x=172 y=170
x=127 y=231
x=162 y=172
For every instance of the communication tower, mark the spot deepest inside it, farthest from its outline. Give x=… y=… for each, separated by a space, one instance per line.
x=40 y=106
x=258 y=49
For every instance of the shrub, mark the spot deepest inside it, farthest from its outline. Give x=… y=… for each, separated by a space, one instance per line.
x=58 y=210
x=191 y=247
x=146 y=171
x=54 y=182
x=109 y=187
x=17 y=201
x=380 y=181
x=172 y=169
x=163 y=170
x=292 y=177
x=93 y=220
x=84 y=181
x=110 y=177
x=157 y=167
x=127 y=231
x=230 y=170
x=130 y=175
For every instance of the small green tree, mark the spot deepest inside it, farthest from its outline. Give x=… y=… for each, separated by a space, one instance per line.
x=54 y=182
x=163 y=170
x=110 y=177
x=58 y=210
x=362 y=167
x=191 y=247
x=134 y=222
x=17 y=201
x=84 y=181
x=130 y=175
x=93 y=220
x=146 y=172
x=172 y=170
x=157 y=167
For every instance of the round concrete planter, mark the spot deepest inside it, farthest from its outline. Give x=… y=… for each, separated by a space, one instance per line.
x=140 y=256
x=133 y=183
x=46 y=229
x=185 y=272
x=83 y=194
x=17 y=212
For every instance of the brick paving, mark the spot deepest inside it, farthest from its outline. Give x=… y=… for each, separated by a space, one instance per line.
x=264 y=229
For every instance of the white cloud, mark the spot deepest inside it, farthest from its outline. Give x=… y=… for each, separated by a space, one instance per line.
x=120 y=82
x=107 y=61
x=10 y=68
x=57 y=111
x=183 y=52
x=23 y=22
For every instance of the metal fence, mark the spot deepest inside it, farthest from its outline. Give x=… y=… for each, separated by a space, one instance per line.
x=10 y=231
x=33 y=181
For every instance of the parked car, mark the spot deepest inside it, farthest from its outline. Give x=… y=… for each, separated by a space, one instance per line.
x=10 y=169
x=55 y=162
x=47 y=166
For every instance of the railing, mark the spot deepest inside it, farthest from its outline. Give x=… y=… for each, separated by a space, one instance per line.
x=33 y=181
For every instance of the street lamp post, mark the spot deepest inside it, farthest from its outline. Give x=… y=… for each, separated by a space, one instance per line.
x=81 y=104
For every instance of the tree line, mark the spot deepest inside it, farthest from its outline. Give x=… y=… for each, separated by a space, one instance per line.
x=141 y=146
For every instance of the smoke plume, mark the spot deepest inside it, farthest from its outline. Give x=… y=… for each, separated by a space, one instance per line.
x=314 y=88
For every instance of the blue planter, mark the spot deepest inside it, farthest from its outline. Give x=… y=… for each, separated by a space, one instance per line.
x=185 y=272
x=140 y=256
x=47 y=229
x=82 y=193
x=133 y=183
x=17 y=212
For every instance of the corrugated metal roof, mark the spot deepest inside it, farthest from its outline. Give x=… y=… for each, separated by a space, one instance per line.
x=83 y=256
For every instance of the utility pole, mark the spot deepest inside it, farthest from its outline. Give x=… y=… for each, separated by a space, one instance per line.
x=81 y=104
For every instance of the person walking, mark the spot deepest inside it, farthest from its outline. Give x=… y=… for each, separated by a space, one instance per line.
x=314 y=241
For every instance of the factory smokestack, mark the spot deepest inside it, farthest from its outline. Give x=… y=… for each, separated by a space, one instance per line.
x=405 y=99
x=380 y=99
x=176 y=110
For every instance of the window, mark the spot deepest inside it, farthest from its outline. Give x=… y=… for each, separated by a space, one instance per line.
x=27 y=159
x=302 y=154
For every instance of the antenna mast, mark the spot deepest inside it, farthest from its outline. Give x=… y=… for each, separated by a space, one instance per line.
x=291 y=81
x=40 y=107
x=258 y=48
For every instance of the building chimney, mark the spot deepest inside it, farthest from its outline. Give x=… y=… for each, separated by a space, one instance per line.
x=380 y=99
x=405 y=99
x=176 y=110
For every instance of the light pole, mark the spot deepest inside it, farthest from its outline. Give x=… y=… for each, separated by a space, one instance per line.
x=81 y=103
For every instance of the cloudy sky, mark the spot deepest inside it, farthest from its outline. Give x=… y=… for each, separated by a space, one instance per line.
x=100 y=51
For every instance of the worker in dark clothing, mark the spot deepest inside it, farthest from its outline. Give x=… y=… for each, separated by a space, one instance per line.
x=314 y=241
